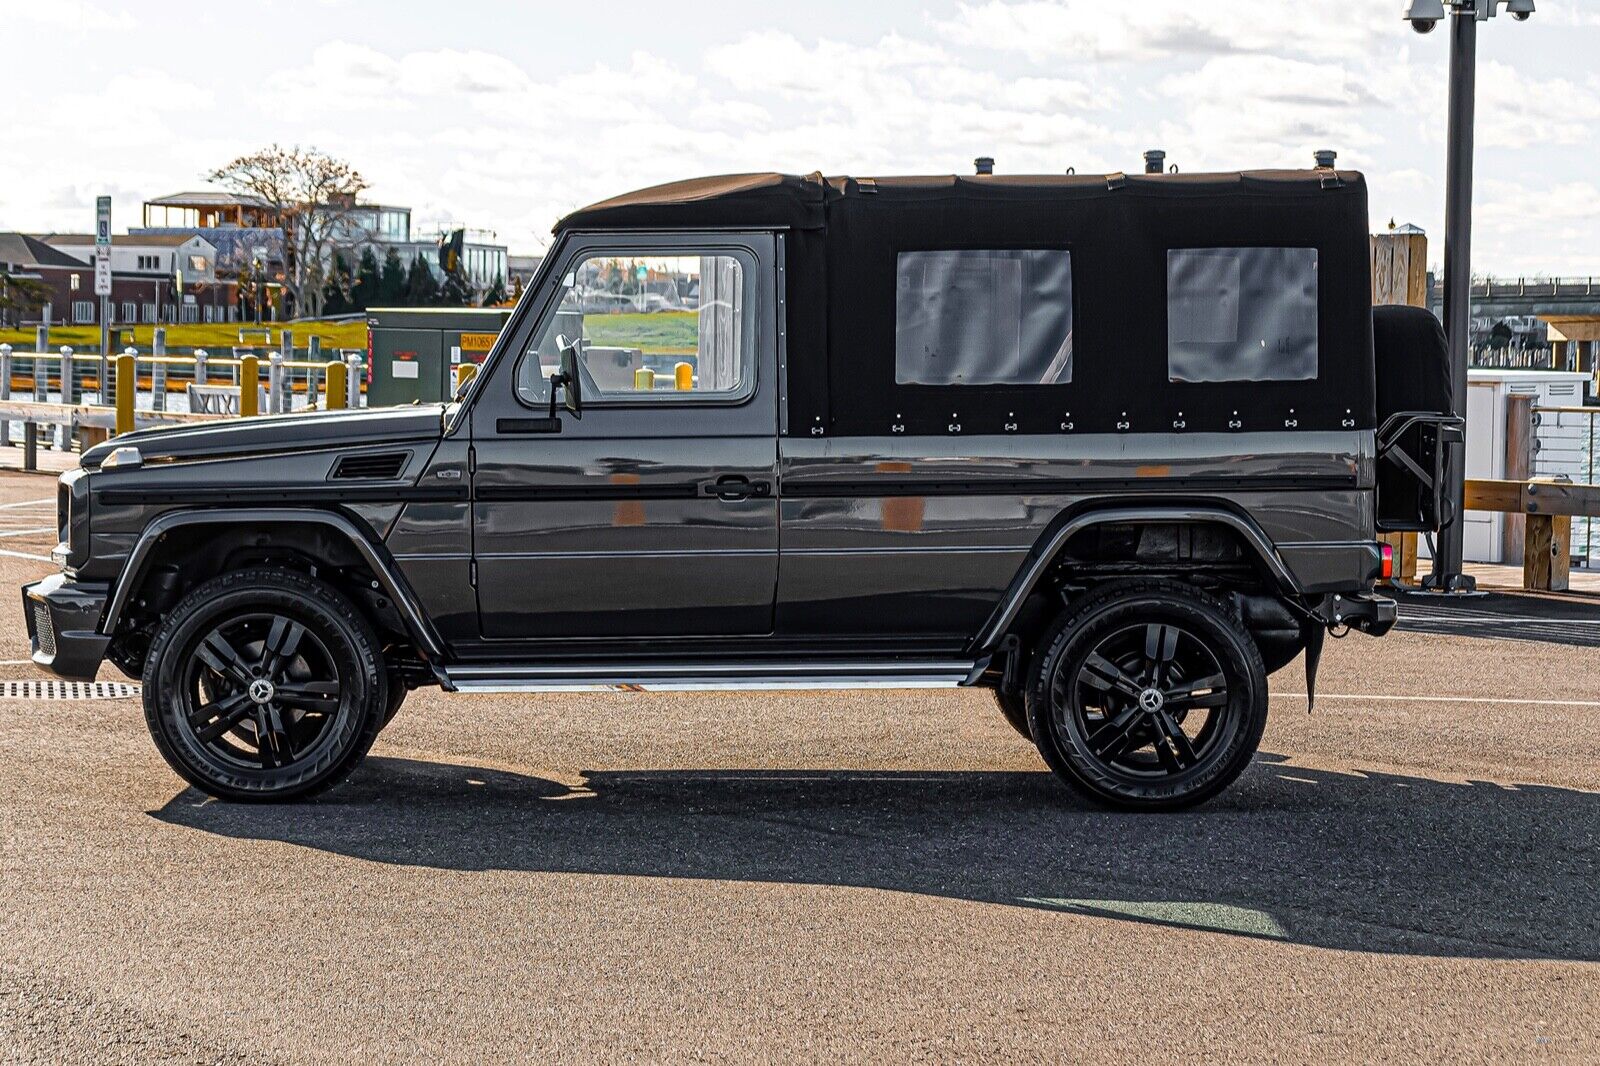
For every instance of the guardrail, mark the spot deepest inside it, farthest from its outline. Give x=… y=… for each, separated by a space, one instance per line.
x=1549 y=507
x=71 y=417
x=1510 y=287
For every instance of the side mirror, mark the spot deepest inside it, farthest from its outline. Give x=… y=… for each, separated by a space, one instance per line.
x=568 y=379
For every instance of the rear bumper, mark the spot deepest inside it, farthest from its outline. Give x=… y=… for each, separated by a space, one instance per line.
x=63 y=617
x=1369 y=612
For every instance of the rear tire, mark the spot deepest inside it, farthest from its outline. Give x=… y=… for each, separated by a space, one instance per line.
x=264 y=685
x=1148 y=695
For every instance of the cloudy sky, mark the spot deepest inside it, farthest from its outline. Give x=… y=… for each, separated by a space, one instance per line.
x=505 y=116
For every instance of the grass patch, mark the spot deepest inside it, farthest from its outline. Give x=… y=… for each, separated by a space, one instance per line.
x=670 y=332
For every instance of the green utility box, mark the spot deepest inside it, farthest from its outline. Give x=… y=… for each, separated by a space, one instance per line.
x=412 y=352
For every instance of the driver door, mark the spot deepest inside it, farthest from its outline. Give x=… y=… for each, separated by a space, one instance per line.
x=654 y=513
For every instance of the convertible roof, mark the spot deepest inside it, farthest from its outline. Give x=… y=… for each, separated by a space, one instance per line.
x=791 y=201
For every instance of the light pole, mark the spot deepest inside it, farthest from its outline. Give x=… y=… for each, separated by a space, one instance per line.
x=1465 y=15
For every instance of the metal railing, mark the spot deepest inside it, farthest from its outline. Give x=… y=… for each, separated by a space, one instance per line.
x=61 y=400
x=1492 y=288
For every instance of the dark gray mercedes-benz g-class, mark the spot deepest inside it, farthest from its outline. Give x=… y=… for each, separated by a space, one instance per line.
x=1114 y=447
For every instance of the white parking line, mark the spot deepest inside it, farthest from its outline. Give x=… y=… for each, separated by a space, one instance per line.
x=1436 y=699
x=24 y=555
x=26 y=532
x=28 y=503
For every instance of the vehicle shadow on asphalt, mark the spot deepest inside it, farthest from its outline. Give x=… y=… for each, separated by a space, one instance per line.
x=1366 y=862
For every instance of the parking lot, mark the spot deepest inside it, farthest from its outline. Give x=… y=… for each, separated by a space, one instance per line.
x=1408 y=872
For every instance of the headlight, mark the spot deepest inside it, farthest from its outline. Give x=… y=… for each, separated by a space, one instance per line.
x=72 y=519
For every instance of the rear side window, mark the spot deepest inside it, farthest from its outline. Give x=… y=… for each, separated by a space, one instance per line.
x=983 y=317
x=1241 y=314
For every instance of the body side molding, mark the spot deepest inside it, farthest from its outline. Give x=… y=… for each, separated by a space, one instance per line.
x=1044 y=553
x=393 y=583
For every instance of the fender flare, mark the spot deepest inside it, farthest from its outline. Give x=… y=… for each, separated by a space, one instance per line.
x=1044 y=553
x=393 y=583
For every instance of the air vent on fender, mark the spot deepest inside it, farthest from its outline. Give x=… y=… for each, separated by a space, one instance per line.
x=383 y=466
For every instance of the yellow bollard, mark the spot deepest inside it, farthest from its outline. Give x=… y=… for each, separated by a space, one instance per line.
x=465 y=372
x=126 y=383
x=334 y=375
x=644 y=380
x=683 y=377
x=249 y=380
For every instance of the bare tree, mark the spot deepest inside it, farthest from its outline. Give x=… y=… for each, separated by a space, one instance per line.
x=309 y=196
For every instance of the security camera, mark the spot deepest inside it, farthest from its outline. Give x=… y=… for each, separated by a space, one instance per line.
x=1424 y=15
x=1521 y=10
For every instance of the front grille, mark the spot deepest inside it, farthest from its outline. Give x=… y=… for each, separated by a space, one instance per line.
x=43 y=630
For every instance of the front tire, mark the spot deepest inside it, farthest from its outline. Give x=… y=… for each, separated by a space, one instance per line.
x=264 y=685
x=1148 y=695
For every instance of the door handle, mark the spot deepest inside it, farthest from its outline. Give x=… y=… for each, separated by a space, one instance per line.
x=733 y=487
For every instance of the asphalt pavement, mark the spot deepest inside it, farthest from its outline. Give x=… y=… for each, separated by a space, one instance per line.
x=1407 y=873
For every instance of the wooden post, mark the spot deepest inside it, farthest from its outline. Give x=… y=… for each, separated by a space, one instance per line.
x=1400 y=267
x=1519 y=467
x=249 y=381
x=1547 y=566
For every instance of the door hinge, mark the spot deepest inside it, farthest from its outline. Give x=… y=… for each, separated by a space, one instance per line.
x=472 y=573
x=472 y=460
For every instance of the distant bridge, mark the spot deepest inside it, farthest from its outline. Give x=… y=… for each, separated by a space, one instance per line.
x=1546 y=298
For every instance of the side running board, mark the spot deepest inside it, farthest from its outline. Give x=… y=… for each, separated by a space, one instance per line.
x=680 y=677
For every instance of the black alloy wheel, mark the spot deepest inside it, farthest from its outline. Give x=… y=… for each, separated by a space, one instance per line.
x=264 y=685
x=1149 y=695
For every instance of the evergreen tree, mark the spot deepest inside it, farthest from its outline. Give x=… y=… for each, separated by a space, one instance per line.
x=392 y=280
x=457 y=291
x=336 y=290
x=422 y=290
x=496 y=293
x=368 y=283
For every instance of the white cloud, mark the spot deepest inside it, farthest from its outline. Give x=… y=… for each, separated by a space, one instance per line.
x=1516 y=110
x=65 y=16
x=1145 y=29
x=510 y=130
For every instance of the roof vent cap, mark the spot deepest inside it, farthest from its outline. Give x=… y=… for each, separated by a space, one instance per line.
x=1155 y=161
x=984 y=164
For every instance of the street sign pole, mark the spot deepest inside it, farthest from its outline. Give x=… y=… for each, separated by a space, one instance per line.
x=102 y=286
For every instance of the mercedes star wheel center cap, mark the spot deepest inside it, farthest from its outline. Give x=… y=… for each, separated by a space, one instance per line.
x=261 y=690
x=1151 y=700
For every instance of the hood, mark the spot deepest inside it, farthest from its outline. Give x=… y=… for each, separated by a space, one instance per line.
x=278 y=434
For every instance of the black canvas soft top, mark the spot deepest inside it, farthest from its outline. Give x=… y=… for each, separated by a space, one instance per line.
x=844 y=236
x=791 y=201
